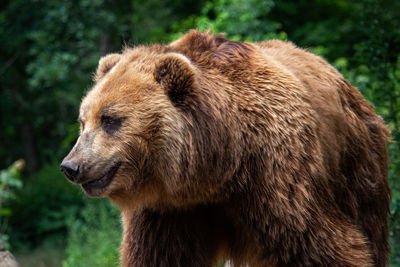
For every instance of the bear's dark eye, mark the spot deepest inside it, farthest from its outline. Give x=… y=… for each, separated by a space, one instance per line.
x=110 y=124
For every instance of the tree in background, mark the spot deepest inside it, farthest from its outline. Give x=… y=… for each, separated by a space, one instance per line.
x=379 y=55
x=49 y=49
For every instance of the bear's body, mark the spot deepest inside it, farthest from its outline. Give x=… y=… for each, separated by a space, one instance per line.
x=262 y=154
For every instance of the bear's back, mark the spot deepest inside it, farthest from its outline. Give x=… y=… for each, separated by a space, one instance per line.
x=352 y=137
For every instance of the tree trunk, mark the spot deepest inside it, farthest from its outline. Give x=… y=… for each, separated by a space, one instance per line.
x=106 y=45
x=28 y=141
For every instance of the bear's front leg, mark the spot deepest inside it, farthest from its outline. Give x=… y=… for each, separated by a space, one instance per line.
x=169 y=238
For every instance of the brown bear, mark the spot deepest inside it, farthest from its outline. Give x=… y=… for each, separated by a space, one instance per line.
x=257 y=153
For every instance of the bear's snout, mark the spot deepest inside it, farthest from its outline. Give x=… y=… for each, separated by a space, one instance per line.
x=70 y=170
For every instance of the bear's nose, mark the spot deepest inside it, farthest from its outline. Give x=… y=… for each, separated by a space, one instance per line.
x=70 y=170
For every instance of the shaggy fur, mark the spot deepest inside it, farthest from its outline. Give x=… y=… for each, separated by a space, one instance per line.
x=260 y=153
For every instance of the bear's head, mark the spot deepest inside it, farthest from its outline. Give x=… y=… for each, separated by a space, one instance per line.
x=130 y=130
x=155 y=126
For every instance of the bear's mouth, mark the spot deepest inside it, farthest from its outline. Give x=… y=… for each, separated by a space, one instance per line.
x=96 y=186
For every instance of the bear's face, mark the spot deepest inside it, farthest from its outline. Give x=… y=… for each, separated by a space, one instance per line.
x=130 y=129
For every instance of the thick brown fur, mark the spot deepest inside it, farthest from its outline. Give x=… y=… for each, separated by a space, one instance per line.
x=260 y=153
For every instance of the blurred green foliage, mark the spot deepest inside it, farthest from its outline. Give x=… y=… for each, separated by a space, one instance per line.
x=9 y=181
x=95 y=236
x=42 y=208
x=49 y=52
x=242 y=20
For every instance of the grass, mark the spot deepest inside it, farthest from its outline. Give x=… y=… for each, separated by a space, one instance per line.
x=46 y=255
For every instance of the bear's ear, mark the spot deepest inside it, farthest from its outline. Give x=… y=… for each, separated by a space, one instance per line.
x=175 y=73
x=106 y=63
